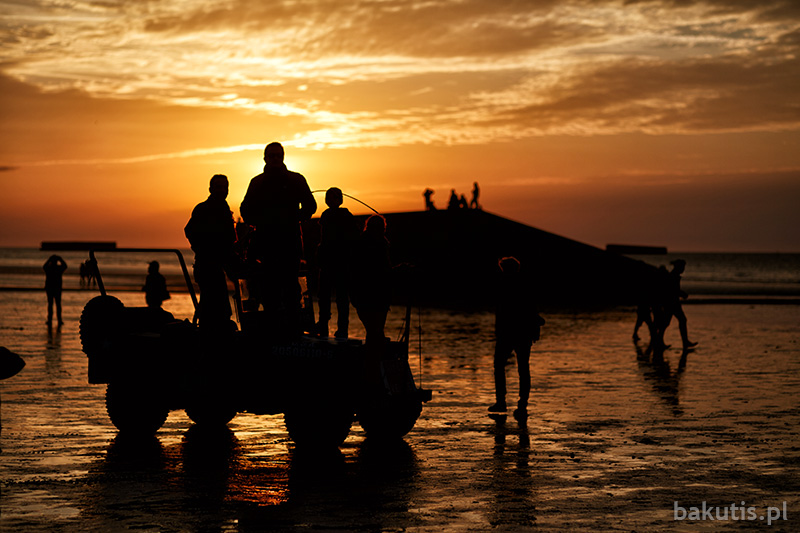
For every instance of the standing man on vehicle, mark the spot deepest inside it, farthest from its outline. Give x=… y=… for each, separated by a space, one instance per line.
x=212 y=235
x=276 y=202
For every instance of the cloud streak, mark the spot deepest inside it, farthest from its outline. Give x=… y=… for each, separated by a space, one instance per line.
x=382 y=73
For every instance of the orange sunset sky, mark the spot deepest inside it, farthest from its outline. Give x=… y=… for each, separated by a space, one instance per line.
x=672 y=122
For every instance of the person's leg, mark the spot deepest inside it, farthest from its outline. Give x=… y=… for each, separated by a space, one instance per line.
x=57 y=298
x=324 y=298
x=680 y=316
x=502 y=350
x=342 y=304
x=50 y=300
x=523 y=351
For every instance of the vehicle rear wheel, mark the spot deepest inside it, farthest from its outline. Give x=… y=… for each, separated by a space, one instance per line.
x=318 y=426
x=134 y=410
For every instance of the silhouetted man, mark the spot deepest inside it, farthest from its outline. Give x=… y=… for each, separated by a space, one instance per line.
x=338 y=232
x=211 y=234
x=476 y=191
x=672 y=305
x=276 y=202
x=428 y=200
x=54 y=268
x=517 y=327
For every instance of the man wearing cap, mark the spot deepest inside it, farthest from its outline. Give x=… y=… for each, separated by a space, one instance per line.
x=276 y=202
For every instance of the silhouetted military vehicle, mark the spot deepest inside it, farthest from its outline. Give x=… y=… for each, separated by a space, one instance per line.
x=153 y=363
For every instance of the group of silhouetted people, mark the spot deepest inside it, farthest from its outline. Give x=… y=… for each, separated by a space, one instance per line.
x=266 y=250
x=660 y=301
x=455 y=201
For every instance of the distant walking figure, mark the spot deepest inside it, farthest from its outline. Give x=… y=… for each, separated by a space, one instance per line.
x=476 y=191
x=428 y=201
x=338 y=232
x=54 y=268
x=672 y=304
x=276 y=202
x=155 y=287
x=517 y=327
x=454 y=202
x=211 y=234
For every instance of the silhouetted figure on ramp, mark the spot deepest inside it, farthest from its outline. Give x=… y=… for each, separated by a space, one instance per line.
x=517 y=327
x=476 y=191
x=338 y=233
x=54 y=269
x=276 y=202
x=453 y=203
x=212 y=235
x=155 y=287
x=428 y=200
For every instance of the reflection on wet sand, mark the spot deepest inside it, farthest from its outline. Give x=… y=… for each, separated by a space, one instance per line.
x=209 y=482
x=655 y=369
x=512 y=482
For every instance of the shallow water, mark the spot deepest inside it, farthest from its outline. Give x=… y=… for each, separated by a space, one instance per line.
x=613 y=439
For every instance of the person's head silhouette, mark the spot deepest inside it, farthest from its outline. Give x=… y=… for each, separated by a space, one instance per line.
x=273 y=154
x=509 y=265
x=376 y=226
x=334 y=197
x=218 y=186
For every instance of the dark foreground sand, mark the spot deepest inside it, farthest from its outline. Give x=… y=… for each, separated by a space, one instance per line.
x=613 y=441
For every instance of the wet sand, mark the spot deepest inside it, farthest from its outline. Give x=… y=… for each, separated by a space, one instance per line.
x=614 y=438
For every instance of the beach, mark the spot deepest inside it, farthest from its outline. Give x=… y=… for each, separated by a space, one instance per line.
x=616 y=440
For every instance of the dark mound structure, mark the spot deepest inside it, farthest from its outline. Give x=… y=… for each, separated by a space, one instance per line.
x=455 y=253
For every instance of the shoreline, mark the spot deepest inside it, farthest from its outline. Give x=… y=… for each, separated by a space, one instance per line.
x=732 y=299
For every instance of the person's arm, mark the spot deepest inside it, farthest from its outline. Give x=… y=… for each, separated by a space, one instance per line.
x=308 y=206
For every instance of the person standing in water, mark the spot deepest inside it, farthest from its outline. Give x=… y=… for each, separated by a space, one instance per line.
x=155 y=287
x=54 y=269
x=517 y=327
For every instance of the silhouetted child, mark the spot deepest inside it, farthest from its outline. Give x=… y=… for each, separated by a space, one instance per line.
x=155 y=287
x=338 y=232
x=371 y=278
x=517 y=327
x=54 y=269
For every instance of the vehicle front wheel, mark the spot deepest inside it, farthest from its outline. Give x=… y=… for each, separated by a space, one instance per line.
x=134 y=410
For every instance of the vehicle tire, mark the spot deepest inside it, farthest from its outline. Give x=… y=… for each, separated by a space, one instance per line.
x=134 y=410
x=390 y=418
x=210 y=414
x=319 y=426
